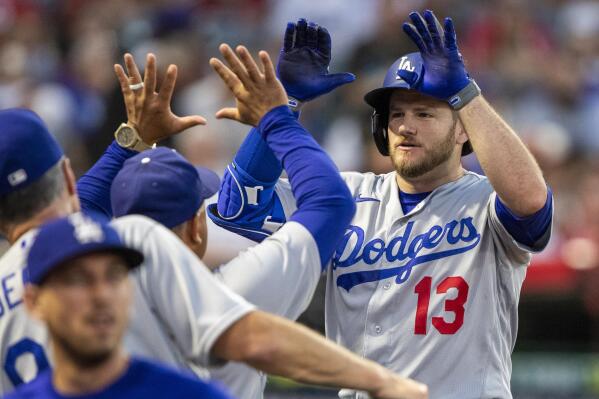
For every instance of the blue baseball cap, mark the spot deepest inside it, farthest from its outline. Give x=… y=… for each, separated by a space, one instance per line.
x=405 y=73
x=65 y=239
x=27 y=149
x=163 y=186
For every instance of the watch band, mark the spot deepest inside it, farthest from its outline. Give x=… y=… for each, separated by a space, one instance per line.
x=142 y=146
x=294 y=104
x=464 y=96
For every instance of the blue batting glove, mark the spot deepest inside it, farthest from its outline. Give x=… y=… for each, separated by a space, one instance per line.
x=303 y=66
x=444 y=71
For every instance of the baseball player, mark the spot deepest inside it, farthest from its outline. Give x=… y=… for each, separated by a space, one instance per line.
x=82 y=292
x=426 y=280
x=162 y=185
x=183 y=316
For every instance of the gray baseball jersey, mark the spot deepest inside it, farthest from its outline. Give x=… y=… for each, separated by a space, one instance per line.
x=180 y=309
x=432 y=294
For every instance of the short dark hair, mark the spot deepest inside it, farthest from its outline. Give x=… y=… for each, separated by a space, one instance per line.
x=21 y=205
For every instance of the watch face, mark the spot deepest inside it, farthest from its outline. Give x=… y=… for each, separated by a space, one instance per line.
x=126 y=136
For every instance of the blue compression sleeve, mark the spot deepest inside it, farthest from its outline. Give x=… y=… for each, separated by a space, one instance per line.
x=325 y=205
x=94 y=186
x=527 y=230
x=256 y=158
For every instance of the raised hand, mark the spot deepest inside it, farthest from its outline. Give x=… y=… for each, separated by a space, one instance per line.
x=444 y=71
x=256 y=90
x=147 y=109
x=303 y=65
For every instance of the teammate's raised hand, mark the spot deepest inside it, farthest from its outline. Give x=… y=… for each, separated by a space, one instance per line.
x=445 y=73
x=149 y=110
x=303 y=65
x=256 y=90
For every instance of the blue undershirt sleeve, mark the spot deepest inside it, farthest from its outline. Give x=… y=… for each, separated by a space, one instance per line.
x=94 y=186
x=527 y=230
x=325 y=205
x=257 y=159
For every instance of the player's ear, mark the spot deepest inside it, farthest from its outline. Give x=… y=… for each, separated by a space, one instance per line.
x=31 y=299
x=71 y=184
x=195 y=228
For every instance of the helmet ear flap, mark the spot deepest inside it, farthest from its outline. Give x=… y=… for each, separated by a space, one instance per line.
x=379 y=132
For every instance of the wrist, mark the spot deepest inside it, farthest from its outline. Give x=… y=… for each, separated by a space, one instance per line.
x=274 y=115
x=294 y=104
x=464 y=96
x=128 y=137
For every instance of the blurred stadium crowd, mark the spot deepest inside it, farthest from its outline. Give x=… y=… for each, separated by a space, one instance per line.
x=537 y=61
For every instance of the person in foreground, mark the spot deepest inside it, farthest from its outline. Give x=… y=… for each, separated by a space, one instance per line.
x=427 y=278
x=81 y=291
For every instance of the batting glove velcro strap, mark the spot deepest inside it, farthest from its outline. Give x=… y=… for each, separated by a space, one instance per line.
x=464 y=96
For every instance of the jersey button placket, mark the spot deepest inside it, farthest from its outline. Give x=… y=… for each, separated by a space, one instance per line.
x=378 y=329
x=387 y=285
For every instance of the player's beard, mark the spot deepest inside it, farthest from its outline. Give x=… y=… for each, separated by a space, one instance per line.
x=439 y=154
x=80 y=356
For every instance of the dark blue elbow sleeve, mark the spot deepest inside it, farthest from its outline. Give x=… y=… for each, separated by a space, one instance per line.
x=325 y=205
x=94 y=186
x=527 y=230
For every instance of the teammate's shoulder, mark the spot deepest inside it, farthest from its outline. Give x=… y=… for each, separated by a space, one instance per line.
x=133 y=221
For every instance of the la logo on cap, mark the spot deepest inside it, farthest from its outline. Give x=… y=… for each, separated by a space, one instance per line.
x=86 y=230
x=17 y=177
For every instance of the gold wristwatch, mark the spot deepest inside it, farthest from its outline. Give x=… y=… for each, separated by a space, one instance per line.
x=127 y=137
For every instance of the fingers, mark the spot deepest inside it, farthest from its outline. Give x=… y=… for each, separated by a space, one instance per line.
x=227 y=76
x=410 y=30
x=324 y=41
x=249 y=63
x=123 y=79
x=288 y=39
x=422 y=30
x=234 y=63
x=150 y=75
x=132 y=69
x=450 y=36
x=185 y=122
x=300 y=33
x=269 y=70
x=228 y=113
x=168 y=85
x=434 y=27
x=312 y=35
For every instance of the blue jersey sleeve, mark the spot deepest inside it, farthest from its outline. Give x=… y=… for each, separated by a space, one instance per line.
x=527 y=230
x=94 y=186
x=325 y=205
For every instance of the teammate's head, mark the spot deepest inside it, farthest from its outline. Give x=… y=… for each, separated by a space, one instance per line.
x=34 y=174
x=400 y=88
x=164 y=186
x=77 y=284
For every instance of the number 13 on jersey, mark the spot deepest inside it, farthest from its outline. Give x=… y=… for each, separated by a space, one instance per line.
x=456 y=305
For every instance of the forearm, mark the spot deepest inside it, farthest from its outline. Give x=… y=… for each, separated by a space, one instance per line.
x=277 y=346
x=94 y=186
x=324 y=204
x=510 y=167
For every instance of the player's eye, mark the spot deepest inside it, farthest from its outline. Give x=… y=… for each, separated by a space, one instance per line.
x=425 y=115
x=74 y=279
x=397 y=114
